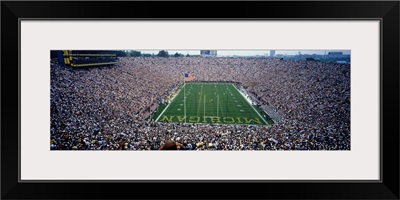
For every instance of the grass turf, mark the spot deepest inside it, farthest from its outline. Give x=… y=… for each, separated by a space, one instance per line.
x=211 y=103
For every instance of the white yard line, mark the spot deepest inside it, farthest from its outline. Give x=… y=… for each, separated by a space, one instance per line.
x=250 y=105
x=201 y=93
x=169 y=104
x=222 y=111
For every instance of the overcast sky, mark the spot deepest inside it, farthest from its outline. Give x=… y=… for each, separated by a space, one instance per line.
x=248 y=52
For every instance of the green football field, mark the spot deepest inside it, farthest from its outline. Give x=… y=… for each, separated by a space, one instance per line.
x=216 y=103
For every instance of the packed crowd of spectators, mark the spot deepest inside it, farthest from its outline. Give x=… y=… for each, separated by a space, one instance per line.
x=101 y=108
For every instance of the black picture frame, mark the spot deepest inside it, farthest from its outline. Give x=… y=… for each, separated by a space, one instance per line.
x=386 y=11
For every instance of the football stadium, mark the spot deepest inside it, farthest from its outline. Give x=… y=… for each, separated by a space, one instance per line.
x=167 y=100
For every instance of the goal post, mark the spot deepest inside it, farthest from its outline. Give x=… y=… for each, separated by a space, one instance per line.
x=217 y=107
x=204 y=112
x=184 y=100
x=217 y=104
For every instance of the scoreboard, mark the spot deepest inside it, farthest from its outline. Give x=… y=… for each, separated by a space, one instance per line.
x=208 y=53
x=87 y=58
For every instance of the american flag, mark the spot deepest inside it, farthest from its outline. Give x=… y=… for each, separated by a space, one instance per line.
x=188 y=77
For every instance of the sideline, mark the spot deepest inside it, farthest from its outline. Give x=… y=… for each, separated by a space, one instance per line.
x=169 y=104
x=251 y=105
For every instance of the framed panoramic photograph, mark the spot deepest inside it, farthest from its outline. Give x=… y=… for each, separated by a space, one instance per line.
x=221 y=97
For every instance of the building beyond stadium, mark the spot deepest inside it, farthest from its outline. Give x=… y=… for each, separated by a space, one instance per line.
x=208 y=53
